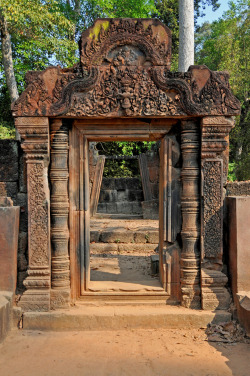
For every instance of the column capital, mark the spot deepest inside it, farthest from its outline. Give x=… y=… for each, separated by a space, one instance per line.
x=34 y=132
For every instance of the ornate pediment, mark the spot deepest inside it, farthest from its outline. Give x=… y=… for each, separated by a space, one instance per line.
x=124 y=72
x=128 y=41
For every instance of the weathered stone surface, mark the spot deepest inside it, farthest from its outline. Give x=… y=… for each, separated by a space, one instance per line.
x=9 y=160
x=5 y=316
x=5 y=201
x=239 y=240
x=116 y=318
x=22 y=242
x=22 y=180
x=23 y=203
x=94 y=236
x=243 y=309
x=21 y=262
x=150 y=209
x=117 y=237
x=140 y=237
x=9 y=189
x=9 y=225
x=238 y=188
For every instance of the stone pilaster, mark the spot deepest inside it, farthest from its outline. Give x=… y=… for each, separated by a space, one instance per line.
x=35 y=143
x=59 y=175
x=190 y=254
x=214 y=166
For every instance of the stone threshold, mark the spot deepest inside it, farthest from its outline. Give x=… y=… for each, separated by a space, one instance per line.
x=103 y=317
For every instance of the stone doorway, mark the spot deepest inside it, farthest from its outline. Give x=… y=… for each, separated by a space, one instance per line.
x=122 y=88
x=101 y=272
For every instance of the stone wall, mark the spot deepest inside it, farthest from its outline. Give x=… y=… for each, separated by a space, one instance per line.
x=120 y=196
x=13 y=185
x=238 y=188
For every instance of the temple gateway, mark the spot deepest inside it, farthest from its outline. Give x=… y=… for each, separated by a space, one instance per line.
x=122 y=89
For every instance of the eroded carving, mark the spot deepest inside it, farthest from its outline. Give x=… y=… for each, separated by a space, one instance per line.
x=38 y=224
x=212 y=212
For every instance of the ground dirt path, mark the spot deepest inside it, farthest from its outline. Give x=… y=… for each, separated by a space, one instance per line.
x=121 y=353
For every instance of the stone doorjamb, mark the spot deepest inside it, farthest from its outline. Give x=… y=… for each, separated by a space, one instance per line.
x=34 y=132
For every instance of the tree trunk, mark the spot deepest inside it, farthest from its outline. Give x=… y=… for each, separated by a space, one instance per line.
x=186 y=34
x=7 y=59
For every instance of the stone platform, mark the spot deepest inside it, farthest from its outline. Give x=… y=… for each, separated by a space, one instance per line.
x=117 y=317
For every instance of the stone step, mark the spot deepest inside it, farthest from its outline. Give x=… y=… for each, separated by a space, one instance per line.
x=122 y=247
x=103 y=317
x=5 y=313
x=121 y=235
x=120 y=207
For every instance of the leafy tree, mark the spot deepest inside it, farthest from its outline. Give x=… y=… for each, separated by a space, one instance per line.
x=37 y=33
x=224 y=45
x=168 y=13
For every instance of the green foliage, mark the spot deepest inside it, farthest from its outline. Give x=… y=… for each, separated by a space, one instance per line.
x=224 y=45
x=231 y=172
x=6 y=130
x=122 y=168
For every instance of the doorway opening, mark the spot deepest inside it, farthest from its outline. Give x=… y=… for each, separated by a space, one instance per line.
x=124 y=228
x=84 y=209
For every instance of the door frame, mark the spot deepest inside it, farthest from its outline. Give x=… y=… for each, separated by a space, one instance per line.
x=82 y=132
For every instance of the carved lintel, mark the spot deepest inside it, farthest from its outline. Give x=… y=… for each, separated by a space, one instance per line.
x=60 y=293
x=190 y=254
x=34 y=133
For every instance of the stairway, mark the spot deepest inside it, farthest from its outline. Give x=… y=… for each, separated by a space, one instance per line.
x=121 y=253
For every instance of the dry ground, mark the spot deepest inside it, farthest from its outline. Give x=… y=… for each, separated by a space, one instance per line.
x=121 y=353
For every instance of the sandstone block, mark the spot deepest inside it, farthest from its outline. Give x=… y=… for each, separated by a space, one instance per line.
x=140 y=237
x=9 y=225
x=22 y=242
x=117 y=237
x=9 y=189
x=9 y=160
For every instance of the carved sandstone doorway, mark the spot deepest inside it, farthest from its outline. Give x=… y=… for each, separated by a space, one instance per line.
x=85 y=131
x=122 y=88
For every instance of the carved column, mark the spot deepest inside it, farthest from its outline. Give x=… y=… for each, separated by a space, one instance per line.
x=214 y=165
x=190 y=255
x=35 y=143
x=59 y=175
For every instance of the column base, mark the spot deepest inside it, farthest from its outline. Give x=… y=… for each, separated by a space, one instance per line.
x=214 y=294
x=35 y=300
x=59 y=299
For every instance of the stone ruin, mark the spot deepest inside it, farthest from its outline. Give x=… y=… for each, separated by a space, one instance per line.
x=122 y=89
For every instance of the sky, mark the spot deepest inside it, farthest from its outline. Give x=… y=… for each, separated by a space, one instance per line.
x=212 y=16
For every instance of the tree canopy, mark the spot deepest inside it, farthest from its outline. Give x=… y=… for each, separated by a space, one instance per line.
x=224 y=45
x=45 y=32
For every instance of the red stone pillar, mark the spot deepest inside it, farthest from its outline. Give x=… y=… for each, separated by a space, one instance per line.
x=34 y=133
x=214 y=167
x=190 y=203
x=59 y=176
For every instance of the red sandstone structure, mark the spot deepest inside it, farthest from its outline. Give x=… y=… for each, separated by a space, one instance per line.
x=122 y=89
